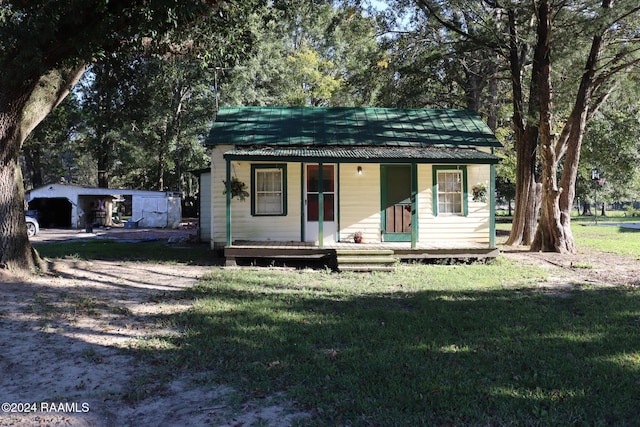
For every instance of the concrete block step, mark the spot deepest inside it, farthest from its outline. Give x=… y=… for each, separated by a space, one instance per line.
x=358 y=252
x=365 y=268
x=366 y=260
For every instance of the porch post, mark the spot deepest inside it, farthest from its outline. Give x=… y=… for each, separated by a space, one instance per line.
x=414 y=205
x=492 y=206
x=336 y=190
x=320 y=206
x=228 y=201
x=303 y=203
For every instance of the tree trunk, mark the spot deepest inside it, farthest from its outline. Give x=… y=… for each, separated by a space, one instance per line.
x=556 y=223
x=22 y=108
x=553 y=234
x=103 y=156
x=33 y=165
x=16 y=253
x=103 y=178
x=160 y=171
x=526 y=132
x=494 y=103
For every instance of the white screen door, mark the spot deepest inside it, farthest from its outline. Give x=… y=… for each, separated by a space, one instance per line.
x=312 y=212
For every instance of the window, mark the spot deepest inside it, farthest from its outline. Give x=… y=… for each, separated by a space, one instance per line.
x=450 y=191
x=268 y=183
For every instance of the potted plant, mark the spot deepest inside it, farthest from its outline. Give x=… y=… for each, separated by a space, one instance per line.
x=479 y=192
x=238 y=188
x=357 y=237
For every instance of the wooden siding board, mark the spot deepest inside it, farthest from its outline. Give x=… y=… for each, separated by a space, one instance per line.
x=205 y=207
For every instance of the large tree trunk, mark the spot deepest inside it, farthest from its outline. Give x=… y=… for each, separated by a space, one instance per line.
x=526 y=131
x=33 y=165
x=159 y=181
x=551 y=235
x=16 y=252
x=104 y=157
x=22 y=108
x=555 y=224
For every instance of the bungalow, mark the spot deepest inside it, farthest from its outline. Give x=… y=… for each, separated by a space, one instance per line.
x=316 y=178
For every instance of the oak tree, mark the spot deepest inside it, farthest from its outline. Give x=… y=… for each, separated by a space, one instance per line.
x=45 y=48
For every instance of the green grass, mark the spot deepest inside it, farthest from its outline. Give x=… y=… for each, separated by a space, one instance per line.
x=589 y=237
x=155 y=251
x=426 y=345
x=604 y=238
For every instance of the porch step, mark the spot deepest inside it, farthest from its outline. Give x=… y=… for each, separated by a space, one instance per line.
x=365 y=260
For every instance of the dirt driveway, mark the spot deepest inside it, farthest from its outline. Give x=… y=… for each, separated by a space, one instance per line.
x=62 y=335
x=61 y=341
x=114 y=233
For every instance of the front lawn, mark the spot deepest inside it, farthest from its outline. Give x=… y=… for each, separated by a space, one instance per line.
x=114 y=250
x=606 y=236
x=426 y=345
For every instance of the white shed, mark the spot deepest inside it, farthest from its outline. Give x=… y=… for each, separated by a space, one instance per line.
x=65 y=206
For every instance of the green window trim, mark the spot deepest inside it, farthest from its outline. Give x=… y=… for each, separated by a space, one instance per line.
x=434 y=196
x=265 y=166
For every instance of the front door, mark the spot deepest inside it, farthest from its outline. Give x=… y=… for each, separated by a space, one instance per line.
x=312 y=202
x=396 y=202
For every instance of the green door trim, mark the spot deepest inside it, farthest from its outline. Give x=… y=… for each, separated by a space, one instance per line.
x=399 y=237
x=415 y=223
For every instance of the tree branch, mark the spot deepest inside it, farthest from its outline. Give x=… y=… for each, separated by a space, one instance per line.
x=430 y=11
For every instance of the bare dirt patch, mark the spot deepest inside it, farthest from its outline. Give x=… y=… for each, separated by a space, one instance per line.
x=585 y=267
x=62 y=337
x=61 y=348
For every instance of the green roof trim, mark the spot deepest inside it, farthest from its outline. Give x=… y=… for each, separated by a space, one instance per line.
x=363 y=154
x=328 y=126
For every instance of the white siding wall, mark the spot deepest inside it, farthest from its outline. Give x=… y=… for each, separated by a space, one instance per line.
x=474 y=227
x=205 y=207
x=244 y=225
x=217 y=198
x=360 y=202
x=359 y=197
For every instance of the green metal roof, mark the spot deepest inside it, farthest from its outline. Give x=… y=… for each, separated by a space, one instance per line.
x=373 y=127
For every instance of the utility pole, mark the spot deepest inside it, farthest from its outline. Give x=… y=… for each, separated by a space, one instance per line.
x=595 y=177
x=597 y=182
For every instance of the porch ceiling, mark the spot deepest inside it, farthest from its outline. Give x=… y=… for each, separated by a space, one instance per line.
x=362 y=154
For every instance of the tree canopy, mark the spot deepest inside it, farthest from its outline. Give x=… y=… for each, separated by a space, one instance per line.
x=308 y=53
x=46 y=47
x=563 y=60
x=543 y=75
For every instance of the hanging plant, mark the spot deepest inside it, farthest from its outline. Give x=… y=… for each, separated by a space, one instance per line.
x=237 y=187
x=479 y=192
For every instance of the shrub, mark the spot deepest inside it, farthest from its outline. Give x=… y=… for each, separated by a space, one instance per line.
x=630 y=211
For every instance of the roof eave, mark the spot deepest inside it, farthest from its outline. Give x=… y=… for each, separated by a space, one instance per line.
x=330 y=159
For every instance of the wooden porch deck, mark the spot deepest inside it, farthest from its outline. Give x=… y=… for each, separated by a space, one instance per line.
x=378 y=254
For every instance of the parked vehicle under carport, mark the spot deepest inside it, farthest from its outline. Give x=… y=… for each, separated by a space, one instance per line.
x=32 y=226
